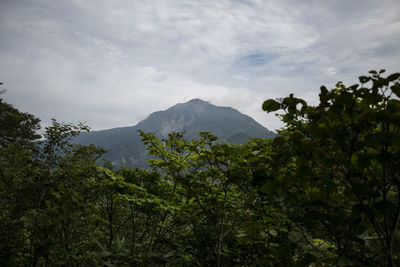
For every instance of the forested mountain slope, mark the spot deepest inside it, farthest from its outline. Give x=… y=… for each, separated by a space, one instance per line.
x=125 y=145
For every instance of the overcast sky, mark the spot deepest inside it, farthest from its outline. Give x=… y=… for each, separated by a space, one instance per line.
x=112 y=63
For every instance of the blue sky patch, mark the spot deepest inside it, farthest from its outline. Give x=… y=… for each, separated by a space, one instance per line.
x=256 y=59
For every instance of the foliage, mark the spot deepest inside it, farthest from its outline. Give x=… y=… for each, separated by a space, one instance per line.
x=16 y=125
x=337 y=163
x=325 y=192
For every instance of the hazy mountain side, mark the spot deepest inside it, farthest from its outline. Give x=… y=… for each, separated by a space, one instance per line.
x=238 y=138
x=193 y=117
x=124 y=145
x=102 y=138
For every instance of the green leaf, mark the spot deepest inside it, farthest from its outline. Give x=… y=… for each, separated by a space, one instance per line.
x=393 y=77
x=364 y=79
x=396 y=89
x=271 y=105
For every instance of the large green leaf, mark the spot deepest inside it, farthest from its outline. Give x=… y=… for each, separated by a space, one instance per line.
x=271 y=105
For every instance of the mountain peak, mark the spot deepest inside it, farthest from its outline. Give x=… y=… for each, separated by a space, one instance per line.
x=191 y=118
x=194 y=106
x=182 y=116
x=198 y=101
x=194 y=102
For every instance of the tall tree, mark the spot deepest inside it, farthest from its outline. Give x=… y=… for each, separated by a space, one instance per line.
x=338 y=164
x=16 y=125
x=18 y=138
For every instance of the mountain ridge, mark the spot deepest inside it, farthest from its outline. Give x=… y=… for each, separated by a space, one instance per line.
x=126 y=148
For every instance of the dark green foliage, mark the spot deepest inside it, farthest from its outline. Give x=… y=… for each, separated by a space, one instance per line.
x=16 y=126
x=271 y=105
x=340 y=161
x=325 y=192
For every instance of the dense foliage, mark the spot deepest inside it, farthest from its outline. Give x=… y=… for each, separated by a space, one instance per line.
x=325 y=192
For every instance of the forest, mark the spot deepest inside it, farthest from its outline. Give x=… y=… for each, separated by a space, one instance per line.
x=324 y=192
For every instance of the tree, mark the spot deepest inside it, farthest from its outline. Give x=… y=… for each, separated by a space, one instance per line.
x=337 y=167
x=220 y=220
x=17 y=144
x=43 y=191
x=16 y=125
x=325 y=192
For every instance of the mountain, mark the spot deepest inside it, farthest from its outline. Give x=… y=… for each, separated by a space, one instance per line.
x=125 y=145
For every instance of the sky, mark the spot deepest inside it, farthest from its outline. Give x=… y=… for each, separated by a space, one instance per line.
x=110 y=63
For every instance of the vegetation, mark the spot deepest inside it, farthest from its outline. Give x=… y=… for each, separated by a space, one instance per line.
x=325 y=192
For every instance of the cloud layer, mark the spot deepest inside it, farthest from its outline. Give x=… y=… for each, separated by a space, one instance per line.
x=111 y=63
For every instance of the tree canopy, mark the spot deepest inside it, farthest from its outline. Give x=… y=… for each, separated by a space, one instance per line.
x=324 y=192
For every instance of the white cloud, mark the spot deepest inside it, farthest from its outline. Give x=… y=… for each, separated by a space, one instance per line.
x=111 y=63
